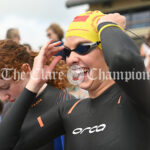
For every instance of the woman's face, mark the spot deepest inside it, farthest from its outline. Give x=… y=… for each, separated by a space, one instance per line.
x=52 y=35
x=10 y=89
x=92 y=64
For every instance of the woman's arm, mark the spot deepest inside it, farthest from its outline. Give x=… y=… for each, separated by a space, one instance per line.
x=44 y=128
x=122 y=56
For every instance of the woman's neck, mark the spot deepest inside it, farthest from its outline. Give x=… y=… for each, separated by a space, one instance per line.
x=103 y=86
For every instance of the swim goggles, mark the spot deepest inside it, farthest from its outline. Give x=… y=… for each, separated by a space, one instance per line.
x=81 y=49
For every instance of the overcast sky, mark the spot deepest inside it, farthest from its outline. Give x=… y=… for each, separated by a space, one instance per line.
x=32 y=17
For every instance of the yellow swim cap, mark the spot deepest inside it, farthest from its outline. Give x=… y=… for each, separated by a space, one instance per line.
x=85 y=26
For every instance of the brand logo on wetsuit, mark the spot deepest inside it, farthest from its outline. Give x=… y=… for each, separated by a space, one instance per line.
x=91 y=130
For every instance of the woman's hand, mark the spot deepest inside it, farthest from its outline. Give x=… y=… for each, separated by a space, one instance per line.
x=115 y=18
x=40 y=71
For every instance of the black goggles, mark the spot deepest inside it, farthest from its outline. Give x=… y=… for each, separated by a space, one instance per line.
x=81 y=49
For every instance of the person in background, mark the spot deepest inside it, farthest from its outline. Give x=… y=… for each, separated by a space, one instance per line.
x=13 y=34
x=56 y=33
x=28 y=47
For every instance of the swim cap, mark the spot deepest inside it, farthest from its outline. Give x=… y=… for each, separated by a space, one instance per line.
x=85 y=26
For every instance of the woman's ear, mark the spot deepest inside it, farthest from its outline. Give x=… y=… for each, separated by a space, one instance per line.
x=26 y=68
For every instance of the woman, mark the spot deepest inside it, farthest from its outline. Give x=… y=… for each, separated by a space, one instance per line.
x=16 y=63
x=116 y=116
x=56 y=33
x=13 y=34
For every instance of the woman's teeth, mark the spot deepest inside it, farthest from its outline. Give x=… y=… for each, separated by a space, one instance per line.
x=79 y=72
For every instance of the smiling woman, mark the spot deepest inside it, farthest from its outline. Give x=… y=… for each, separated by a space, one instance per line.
x=115 y=113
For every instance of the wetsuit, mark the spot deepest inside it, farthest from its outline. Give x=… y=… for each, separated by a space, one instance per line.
x=1 y=109
x=49 y=97
x=118 y=119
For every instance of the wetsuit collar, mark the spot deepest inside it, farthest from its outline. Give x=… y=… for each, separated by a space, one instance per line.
x=112 y=87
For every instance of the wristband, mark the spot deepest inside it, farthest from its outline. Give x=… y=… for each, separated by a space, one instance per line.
x=108 y=25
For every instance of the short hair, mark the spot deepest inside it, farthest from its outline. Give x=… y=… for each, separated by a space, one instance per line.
x=57 y=29
x=12 y=33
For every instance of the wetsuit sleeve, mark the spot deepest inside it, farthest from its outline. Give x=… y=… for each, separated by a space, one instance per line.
x=46 y=127
x=122 y=55
x=11 y=124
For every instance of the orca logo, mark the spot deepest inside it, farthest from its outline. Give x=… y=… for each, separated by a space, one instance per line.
x=91 y=130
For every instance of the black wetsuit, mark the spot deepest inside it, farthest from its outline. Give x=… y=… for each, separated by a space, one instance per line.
x=49 y=97
x=118 y=119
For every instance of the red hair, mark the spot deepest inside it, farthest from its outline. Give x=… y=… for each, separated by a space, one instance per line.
x=13 y=55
